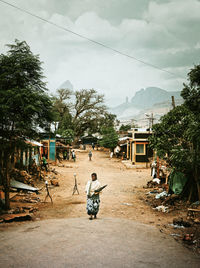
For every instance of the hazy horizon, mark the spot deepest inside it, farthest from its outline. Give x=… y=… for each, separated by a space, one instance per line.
x=161 y=32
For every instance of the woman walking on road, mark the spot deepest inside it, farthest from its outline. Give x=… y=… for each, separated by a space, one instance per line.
x=90 y=155
x=93 y=199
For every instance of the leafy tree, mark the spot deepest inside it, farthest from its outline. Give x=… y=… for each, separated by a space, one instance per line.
x=125 y=127
x=61 y=109
x=177 y=137
x=169 y=138
x=24 y=103
x=191 y=96
x=83 y=111
x=87 y=111
x=68 y=135
x=110 y=138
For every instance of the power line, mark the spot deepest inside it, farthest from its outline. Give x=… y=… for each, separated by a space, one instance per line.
x=89 y=39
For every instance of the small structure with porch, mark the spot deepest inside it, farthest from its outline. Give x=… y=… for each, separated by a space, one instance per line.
x=138 y=150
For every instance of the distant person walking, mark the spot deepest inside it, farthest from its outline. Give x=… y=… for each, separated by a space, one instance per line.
x=93 y=146
x=67 y=155
x=44 y=162
x=90 y=155
x=111 y=154
x=64 y=154
x=73 y=156
x=93 y=199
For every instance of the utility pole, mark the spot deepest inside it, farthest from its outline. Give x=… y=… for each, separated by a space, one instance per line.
x=151 y=120
x=173 y=102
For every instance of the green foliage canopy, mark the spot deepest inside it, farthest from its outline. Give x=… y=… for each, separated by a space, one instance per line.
x=82 y=111
x=24 y=103
x=125 y=127
x=110 y=138
x=177 y=137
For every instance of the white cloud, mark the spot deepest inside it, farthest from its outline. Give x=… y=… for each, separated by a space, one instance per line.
x=159 y=36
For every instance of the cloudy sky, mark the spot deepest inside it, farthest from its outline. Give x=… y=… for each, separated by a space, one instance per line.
x=164 y=33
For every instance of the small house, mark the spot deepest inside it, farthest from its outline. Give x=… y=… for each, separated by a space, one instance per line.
x=138 y=150
x=49 y=148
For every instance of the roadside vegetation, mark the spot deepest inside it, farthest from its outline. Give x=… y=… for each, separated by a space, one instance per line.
x=177 y=137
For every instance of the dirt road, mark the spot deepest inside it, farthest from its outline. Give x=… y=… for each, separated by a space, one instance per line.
x=124 y=235
x=119 y=199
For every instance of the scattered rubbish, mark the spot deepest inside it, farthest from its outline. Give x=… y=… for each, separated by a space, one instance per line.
x=127 y=204
x=197 y=203
x=153 y=192
x=156 y=180
x=181 y=222
x=152 y=184
x=67 y=166
x=61 y=165
x=162 y=208
x=178 y=235
x=54 y=181
x=188 y=238
x=197 y=221
x=163 y=194
x=193 y=213
x=22 y=186
x=176 y=226
x=170 y=199
x=54 y=171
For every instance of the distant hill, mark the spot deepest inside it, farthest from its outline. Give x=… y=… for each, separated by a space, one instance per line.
x=146 y=98
x=66 y=85
x=151 y=99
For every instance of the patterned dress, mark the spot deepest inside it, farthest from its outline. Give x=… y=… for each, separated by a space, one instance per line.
x=93 y=200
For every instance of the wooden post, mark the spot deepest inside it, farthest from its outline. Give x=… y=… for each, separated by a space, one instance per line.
x=173 y=102
x=6 y=182
x=127 y=150
x=21 y=158
x=158 y=169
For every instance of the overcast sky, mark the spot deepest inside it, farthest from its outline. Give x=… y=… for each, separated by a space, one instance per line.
x=164 y=33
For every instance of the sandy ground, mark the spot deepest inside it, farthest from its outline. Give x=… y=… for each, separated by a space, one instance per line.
x=123 y=197
x=119 y=199
x=127 y=233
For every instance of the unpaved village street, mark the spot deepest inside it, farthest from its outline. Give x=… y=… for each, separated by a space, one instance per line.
x=126 y=233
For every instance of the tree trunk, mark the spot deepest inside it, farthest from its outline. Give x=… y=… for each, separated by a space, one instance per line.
x=196 y=172
x=6 y=182
x=198 y=188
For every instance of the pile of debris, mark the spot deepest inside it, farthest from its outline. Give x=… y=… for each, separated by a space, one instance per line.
x=187 y=231
x=21 y=176
x=25 y=198
x=187 y=227
x=53 y=180
x=161 y=200
x=18 y=214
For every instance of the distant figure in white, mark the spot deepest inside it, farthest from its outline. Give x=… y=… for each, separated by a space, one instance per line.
x=111 y=155
x=90 y=155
